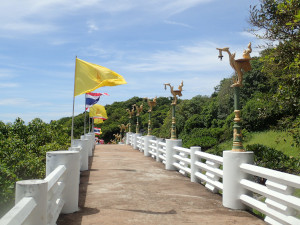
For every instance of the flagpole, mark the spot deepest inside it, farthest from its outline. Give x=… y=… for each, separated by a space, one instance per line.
x=73 y=104
x=84 y=114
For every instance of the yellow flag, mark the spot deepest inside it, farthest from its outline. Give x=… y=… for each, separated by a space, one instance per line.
x=98 y=111
x=97 y=121
x=89 y=76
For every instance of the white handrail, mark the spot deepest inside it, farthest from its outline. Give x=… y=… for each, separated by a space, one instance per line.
x=290 y=200
x=55 y=175
x=205 y=167
x=20 y=212
x=285 y=178
x=262 y=207
x=211 y=157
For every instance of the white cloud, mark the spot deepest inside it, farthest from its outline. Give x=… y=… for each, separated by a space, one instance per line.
x=35 y=16
x=92 y=26
x=29 y=27
x=8 y=85
x=197 y=57
x=178 y=24
x=13 y=101
x=178 y=6
x=5 y=73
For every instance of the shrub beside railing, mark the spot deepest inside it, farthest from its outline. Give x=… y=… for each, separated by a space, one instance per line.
x=40 y=202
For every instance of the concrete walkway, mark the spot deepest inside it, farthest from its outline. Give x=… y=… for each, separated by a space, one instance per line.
x=125 y=187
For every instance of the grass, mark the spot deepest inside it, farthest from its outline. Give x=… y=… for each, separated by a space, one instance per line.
x=280 y=140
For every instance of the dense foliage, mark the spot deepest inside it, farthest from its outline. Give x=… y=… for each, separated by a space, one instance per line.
x=278 y=22
x=23 y=152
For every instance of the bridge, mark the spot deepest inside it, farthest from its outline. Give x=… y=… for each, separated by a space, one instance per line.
x=150 y=180
x=124 y=187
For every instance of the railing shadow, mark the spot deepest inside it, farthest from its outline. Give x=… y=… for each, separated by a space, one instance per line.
x=76 y=217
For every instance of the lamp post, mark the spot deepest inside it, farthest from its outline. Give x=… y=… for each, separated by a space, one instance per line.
x=151 y=105
x=175 y=93
x=138 y=111
x=240 y=66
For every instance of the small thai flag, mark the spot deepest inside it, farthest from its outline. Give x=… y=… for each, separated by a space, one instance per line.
x=97 y=130
x=92 y=99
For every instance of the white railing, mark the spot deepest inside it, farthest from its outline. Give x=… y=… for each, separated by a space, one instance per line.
x=55 y=189
x=233 y=179
x=182 y=160
x=139 y=142
x=209 y=172
x=153 y=148
x=280 y=206
x=20 y=212
x=39 y=202
x=161 y=152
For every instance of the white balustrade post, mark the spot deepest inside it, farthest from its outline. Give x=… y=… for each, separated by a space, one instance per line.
x=77 y=149
x=170 y=143
x=232 y=175
x=193 y=160
x=157 y=149
x=135 y=140
x=70 y=159
x=77 y=145
x=90 y=144
x=85 y=151
x=93 y=140
x=37 y=189
x=147 y=144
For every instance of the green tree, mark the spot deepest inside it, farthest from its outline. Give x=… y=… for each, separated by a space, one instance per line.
x=279 y=22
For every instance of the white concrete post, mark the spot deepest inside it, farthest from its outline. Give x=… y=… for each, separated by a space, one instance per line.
x=77 y=145
x=232 y=175
x=170 y=143
x=77 y=149
x=87 y=143
x=91 y=137
x=147 y=144
x=135 y=140
x=37 y=189
x=83 y=143
x=70 y=159
x=193 y=160
x=157 y=149
x=90 y=144
x=93 y=140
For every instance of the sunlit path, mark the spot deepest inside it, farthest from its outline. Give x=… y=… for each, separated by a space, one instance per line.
x=124 y=187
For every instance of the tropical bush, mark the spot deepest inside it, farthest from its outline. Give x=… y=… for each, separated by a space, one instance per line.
x=23 y=152
x=273 y=159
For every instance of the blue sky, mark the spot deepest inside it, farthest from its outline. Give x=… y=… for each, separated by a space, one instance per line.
x=148 y=42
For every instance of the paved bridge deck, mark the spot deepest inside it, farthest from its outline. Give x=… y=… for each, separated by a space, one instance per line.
x=125 y=187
